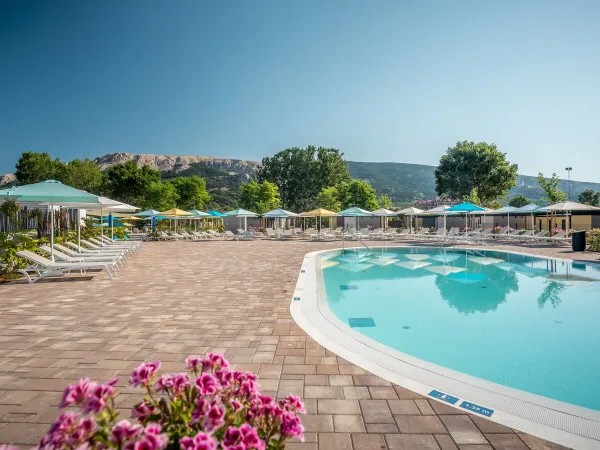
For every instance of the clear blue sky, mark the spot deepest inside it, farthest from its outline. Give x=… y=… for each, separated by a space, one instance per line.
x=383 y=81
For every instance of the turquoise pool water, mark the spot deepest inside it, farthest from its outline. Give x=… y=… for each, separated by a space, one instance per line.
x=527 y=323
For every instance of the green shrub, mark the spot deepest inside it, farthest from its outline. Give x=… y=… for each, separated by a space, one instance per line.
x=120 y=233
x=593 y=238
x=10 y=244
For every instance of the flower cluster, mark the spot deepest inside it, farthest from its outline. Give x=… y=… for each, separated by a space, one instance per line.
x=211 y=408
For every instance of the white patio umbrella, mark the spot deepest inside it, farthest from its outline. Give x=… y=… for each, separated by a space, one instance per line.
x=384 y=214
x=569 y=207
x=440 y=210
x=410 y=211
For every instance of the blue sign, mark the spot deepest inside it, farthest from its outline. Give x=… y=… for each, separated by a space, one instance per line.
x=296 y=299
x=477 y=409
x=443 y=397
x=347 y=287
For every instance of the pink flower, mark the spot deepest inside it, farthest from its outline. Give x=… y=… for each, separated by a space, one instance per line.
x=214 y=361
x=74 y=394
x=292 y=403
x=235 y=405
x=207 y=384
x=143 y=375
x=181 y=381
x=200 y=410
x=97 y=397
x=214 y=418
x=164 y=383
x=142 y=411
x=124 y=431
x=244 y=437
x=291 y=426
x=193 y=363
x=152 y=438
x=201 y=441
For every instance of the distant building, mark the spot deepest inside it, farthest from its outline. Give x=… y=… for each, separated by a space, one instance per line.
x=439 y=201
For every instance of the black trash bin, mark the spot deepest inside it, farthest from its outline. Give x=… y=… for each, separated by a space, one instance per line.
x=578 y=241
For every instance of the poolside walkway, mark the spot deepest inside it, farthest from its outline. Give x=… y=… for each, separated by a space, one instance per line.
x=183 y=298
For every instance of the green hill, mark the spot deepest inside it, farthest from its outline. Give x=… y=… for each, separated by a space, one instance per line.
x=409 y=182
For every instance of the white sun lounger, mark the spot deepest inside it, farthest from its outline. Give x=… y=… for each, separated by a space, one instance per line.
x=89 y=256
x=44 y=267
x=79 y=259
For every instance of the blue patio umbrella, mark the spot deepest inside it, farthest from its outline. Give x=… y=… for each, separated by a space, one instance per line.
x=466 y=208
x=149 y=214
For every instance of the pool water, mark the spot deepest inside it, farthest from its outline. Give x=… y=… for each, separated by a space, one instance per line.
x=528 y=323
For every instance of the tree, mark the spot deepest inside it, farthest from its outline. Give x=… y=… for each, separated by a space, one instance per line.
x=384 y=201
x=33 y=167
x=191 y=192
x=519 y=201
x=473 y=197
x=329 y=198
x=259 y=197
x=85 y=174
x=471 y=165
x=550 y=187
x=301 y=173
x=160 y=196
x=589 y=197
x=357 y=193
x=129 y=183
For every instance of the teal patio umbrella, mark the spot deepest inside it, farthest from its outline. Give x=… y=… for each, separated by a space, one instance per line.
x=216 y=214
x=530 y=208
x=356 y=212
x=239 y=213
x=506 y=210
x=49 y=192
x=465 y=208
x=279 y=214
x=197 y=215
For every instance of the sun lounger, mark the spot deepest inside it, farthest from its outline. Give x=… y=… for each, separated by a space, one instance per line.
x=111 y=248
x=95 y=251
x=88 y=257
x=44 y=267
x=79 y=259
x=129 y=243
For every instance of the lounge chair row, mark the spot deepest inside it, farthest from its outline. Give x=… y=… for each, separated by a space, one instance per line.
x=103 y=254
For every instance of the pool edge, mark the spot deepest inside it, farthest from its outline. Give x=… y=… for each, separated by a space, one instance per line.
x=305 y=310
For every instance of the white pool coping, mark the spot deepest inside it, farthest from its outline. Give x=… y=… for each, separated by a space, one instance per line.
x=563 y=423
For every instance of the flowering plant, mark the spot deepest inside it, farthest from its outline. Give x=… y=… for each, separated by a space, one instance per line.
x=593 y=238
x=209 y=408
x=557 y=230
x=497 y=230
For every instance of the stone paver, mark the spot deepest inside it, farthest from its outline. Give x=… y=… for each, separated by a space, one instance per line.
x=182 y=298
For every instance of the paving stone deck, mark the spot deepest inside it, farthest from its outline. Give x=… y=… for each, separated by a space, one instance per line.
x=182 y=298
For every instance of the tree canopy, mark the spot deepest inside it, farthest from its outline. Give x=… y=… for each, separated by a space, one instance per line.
x=519 y=201
x=259 y=197
x=33 y=167
x=358 y=193
x=384 y=201
x=470 y=165
x=589 y=197
x=301 y=173
x=329 y=198
x=550 y=188
x=129 y=183
x=191 y=192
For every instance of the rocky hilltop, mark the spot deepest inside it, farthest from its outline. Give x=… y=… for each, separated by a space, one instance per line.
x=177 y=164
x=7 y=178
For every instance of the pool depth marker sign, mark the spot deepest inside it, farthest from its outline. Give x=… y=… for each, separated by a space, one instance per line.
x=464 y=404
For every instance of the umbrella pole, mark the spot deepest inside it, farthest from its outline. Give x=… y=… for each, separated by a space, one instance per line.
x=52 y=230
x=112 y=226
x=101 y=226
x=79 y=229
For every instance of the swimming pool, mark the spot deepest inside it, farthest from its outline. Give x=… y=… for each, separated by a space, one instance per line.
x=523 y=322
x=516 y=333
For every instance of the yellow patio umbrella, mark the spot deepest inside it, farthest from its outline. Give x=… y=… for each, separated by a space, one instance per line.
x=128 y=217
x=319 y=212
x=175 y=213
